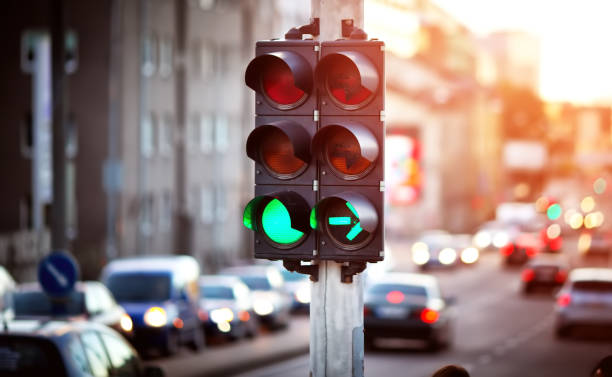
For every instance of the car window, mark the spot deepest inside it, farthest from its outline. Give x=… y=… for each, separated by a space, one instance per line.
x=408 y=290
x=96 y=355
x=593 y=286
x=107 y=302
x=92 y=300
x=257 y=282
x=128 y=287
x=121 y=355
x=78 y=357
x=26 y=356
x=37 y=303
x=217 y=291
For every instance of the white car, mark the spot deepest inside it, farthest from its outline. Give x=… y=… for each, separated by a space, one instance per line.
x=585 y=299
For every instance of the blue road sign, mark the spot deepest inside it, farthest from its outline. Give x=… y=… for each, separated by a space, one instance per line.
x=57 y=274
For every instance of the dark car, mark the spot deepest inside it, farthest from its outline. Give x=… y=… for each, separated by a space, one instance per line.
x=434 y=248
x=521 y=248
x=409 y=306
x=67 y=349
x=298 y=286
x=545 y=271
x=161 y=296
x=90 y=300
x=227 y=307
x=271 y=302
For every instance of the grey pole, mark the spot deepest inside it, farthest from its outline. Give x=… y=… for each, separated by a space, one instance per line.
x=60 y=102
x=336 y=308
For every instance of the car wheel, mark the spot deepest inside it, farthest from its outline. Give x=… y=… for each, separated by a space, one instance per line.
x=198 y=342
x=172 y=343
x=562 y=332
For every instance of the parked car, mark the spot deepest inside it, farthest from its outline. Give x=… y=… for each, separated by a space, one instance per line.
x=585 y=299
x=544 y=271
x=161 y=295
x=521 y=248
x=410 y=306
x=68 y=349
x=598 y=242
x=227 y=307
x=90 y=300
x=434 y=249
x=271 y=302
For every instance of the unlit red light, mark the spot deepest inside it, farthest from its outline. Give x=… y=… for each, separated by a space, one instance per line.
x=278 y=155
x=279 y=86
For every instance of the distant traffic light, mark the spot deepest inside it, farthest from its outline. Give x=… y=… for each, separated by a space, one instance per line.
x=349 y=147
x=281 y=74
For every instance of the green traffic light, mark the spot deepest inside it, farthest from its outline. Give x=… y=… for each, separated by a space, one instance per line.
x=344 y=220
x=276 y=223
x=554 y=212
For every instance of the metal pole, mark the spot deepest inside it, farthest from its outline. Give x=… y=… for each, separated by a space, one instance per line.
x=60 y=102
x=336 y=308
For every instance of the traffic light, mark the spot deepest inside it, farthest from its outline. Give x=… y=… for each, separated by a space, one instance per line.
x=281 y=74
x=349 y=147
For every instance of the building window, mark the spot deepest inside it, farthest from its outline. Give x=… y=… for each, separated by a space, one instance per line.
x=221 y=133
x=147 y=203
x=221 y=203
x=207 y=205
x=206 y=5
x=165 y=56
x=165 y=219
x=193 y=133
x=203 y=59
x=149 y=52
x=166 y=135
x=207 y=133
x=147 y=136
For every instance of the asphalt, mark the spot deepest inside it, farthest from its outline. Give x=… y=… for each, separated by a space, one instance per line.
x=233 y=358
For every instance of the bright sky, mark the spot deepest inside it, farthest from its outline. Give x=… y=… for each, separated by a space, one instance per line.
x=575 y=38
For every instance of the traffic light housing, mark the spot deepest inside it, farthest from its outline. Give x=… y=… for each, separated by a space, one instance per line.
x=318 y=147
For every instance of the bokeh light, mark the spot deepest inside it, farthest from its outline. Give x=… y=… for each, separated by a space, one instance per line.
x=576 y=221
x=542 y=204
x=554 y=212
x=584 y=242
x=553 y=231
x=587 y=204
x=599 y=186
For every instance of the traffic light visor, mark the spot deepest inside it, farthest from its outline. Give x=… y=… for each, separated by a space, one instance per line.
x=349 y=78
x=284 y=78
x=282 y=147
x=281 y=217
x=349 y=149
x=349 y=219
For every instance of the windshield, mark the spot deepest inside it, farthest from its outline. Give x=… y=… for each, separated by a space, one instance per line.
x=37 y=303
x=139 y=287
x=29 y=357
x=257 y=283
x=217 y=291
x=593 y=286
x=293 y=276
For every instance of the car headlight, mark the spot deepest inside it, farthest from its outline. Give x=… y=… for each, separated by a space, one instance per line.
x=155 y=317
x=469 y=255
x=222 y=315
x=500 y=239
x=263 y=306
x=420 y=253
x=302 y=295
x=447 y=256
x=126 y=323
x=482 y=239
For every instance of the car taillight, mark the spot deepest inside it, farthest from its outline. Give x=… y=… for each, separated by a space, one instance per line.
x=395 y=297
x=530 y=251
x=429 y=315
x=560 y=276
x=564 y=300
x=527 y=275
x=507 y=249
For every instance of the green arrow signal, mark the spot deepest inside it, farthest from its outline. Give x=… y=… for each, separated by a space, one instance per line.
x=347 y=220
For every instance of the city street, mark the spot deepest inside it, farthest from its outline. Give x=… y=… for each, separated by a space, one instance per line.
x=499 y=333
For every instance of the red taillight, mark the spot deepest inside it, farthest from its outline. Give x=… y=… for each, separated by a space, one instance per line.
x=530 y=251
x=560 y=276
x=429 y=315
x=395 y=297
x=527 y=275
x=178 y=323
x=244 y=316
x=279 y=85
x=564 y=300
x=507 y=249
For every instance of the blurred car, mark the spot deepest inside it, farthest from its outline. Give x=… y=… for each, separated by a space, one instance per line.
x=68 y=349
x=227 y=307
x=544 y=271
x=521 y=248
x=7 y=284
x=410 y=306
x=434 y=249
x=298 y=286
x=467 y=252
x=271 y=302
x=90 y=300
x=493 y=235
x=161 y=295
x=585 y=299
x=595 y=242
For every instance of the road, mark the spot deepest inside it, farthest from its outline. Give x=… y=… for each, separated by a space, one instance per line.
x=499 y=333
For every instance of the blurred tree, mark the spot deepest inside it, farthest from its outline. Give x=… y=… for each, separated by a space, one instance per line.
x=523 y=114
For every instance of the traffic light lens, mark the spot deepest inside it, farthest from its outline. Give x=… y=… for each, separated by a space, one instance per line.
x=343 y=154
x=344 y=84
x=279 y=85
x=344 y=226
x=278 y=156
x=276 y=223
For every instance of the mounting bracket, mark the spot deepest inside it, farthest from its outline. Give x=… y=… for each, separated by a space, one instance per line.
x=308 y=269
